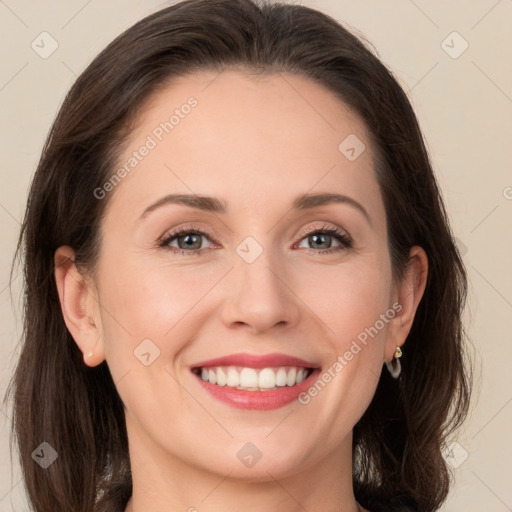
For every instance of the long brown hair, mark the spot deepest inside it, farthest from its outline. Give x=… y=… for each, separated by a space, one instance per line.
x=76 y=409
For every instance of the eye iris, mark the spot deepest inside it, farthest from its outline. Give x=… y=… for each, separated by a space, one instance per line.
x=190 y=240
x=315 y=240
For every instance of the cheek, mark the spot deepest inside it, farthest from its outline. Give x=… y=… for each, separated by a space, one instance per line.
x=142 y=300
x=354 y=304
x=347 y=298
x=146 y=313
x=148 y=302
x=350 y=304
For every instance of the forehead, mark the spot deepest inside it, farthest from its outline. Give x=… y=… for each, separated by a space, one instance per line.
x=247 y=138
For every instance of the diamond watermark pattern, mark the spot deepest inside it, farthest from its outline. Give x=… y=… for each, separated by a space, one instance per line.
x=45 y=455
x=249 y=455
x=146 y=352
x=351 y=147
x=249 y=249
x=461 y=246
x=455 y=455
x=454 y=45
x=44 y=45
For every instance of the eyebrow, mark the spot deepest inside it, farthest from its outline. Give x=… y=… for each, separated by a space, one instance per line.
x=212 y=204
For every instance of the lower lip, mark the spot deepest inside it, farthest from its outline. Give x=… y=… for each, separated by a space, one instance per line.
x=259 y=400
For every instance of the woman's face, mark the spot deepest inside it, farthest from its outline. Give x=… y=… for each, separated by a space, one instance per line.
x=248 y=276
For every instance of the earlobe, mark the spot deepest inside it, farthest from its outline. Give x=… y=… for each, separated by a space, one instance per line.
x=409 y=293
x=79 y=306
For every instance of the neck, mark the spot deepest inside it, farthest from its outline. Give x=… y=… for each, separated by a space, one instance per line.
x=166 y=482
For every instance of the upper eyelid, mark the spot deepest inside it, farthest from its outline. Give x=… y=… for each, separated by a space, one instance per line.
x=205 y=231
x=308 y=231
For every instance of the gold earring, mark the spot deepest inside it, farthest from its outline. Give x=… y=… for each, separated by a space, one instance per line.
x=394 y=366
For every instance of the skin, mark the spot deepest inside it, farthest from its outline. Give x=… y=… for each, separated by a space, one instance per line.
x=255 y=143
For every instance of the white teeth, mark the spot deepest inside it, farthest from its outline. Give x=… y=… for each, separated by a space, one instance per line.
x=248 y=378
x=292 y=375
x=233 y=378
x=254 y=379
x=221 y=377
x=267 y=378
x=281 y=377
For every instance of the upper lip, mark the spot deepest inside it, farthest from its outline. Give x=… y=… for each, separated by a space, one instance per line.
x=256 y=361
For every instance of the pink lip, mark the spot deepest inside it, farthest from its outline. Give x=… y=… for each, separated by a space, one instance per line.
x=259 y=400
x=255 y=361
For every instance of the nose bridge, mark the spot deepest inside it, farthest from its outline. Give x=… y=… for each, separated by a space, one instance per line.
x=258 y=294
x=257 y=267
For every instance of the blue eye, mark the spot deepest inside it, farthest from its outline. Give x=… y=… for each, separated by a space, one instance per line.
x=187 y=241
x=324 y=236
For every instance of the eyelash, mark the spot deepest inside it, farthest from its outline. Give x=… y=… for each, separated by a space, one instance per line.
x=344 y=239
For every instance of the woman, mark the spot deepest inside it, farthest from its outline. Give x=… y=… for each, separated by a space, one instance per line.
x=242 y=291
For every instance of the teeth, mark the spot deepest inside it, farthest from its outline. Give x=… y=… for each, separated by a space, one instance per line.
x=267 y=379
x=233 y=378
x=291 y=378
x=248 y=378
x=281 y=377
x=254 y=379
x=222 y=378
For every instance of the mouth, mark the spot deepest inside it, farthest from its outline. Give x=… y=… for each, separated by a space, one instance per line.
x=253 y=379
x=255 y=382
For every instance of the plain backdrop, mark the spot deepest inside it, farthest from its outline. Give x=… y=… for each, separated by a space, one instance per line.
x=453 y=59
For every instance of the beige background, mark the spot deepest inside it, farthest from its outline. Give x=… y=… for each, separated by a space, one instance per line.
x=464 y=105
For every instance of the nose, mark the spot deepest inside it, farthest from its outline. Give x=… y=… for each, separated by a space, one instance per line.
x=259 y=295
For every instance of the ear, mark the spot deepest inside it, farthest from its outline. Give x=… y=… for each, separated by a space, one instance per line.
x=80 y=306
x=408 y=294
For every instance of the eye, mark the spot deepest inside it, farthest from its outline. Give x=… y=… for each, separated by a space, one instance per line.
x=323 y=237
x=189 y=241
x=185 y=241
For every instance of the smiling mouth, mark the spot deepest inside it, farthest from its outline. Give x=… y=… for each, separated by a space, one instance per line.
x=253 y=379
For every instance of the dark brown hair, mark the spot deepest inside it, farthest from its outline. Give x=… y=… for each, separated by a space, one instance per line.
x=76 y=409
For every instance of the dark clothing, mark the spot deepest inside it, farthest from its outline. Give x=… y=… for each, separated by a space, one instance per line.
x=399 y=507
